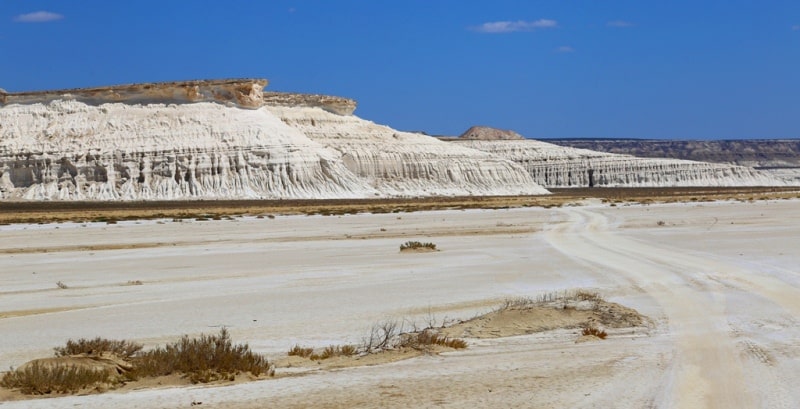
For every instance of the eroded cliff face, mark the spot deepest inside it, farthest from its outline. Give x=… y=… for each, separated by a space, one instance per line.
x=556 y=166
x=71 y=150
x=225 y=140
x=408 y=164
x=332 y=104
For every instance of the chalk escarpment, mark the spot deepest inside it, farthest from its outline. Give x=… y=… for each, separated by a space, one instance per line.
x=408 y=164
x=224 y=139
x=557 y=166
x=70 y=150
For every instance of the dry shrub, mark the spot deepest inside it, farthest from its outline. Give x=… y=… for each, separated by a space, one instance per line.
x=595 y=331
x=37 y=379
x=583 y=295
x=330 y=351
x=416 y=245
x=123 y=349
x=427 y=338
x=297 y=350
x=204 y=359
x=334 y=351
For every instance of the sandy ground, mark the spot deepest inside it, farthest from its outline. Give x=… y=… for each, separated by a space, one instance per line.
x=719 y=281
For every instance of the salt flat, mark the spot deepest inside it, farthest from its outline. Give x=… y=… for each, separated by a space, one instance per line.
x=719 y=281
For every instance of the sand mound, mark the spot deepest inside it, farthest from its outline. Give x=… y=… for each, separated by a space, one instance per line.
x=110 y=364
x=587 y=338
x=528 y=318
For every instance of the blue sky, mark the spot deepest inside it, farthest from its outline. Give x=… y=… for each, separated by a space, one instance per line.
x=637 y=69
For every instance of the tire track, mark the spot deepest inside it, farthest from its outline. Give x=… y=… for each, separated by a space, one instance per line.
x=707 y=370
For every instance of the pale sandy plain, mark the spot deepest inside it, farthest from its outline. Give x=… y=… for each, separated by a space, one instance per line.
x=720 y=282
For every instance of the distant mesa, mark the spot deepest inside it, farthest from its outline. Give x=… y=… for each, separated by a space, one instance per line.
x=485 y=133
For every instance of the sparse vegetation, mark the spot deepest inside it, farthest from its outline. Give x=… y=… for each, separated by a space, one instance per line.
x=416 y=245
x=204 y=359
x=429 y=337
x=328 y=352
x=302 y=352
x=61 y=285
x=594 y=331
x=97 y=346
x=38 y=379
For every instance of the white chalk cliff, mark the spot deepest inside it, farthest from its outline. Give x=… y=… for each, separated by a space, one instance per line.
x=407 y=164
x=554 y=166
x=218 y=140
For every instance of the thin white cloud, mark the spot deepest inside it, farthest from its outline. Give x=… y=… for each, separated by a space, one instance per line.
x=796 y=27
x=565 y=49
x=38 y=17
x=512 y=26
x=619 y=24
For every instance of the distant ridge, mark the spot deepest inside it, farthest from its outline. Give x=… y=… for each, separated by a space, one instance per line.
x=759 y=153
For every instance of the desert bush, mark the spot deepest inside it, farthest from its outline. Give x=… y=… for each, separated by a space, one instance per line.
x=416 y=245
x=37 y=379
x=583 y=295
x=204 y=359
x=297 y=350
x=61 y=285
x=123 y=349
x=334 y=351
x=427 y=338
x=594 y=331
x=327 y=352
x=381 y=335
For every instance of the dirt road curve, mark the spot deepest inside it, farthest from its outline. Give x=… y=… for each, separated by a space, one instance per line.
x=693 y=291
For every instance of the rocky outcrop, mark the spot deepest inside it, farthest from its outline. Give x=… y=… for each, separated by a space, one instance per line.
x=556 y=166
x=485 y=133
x=408 y=164
x=332 y=104
x=243 y=93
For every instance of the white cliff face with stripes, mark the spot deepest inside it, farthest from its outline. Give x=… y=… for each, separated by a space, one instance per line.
x=408 y=164
x=554 y=166
x=218 y=140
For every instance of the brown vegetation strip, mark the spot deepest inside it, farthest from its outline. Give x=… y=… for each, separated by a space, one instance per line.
x=47 y=212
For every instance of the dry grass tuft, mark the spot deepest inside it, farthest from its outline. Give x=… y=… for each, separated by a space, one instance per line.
x=427 y=338
x=594 y=331
x=123 y=349
x=416 y=245
x=328 y=352
x=297 y=350
x=204 y=359
x=37 y=379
